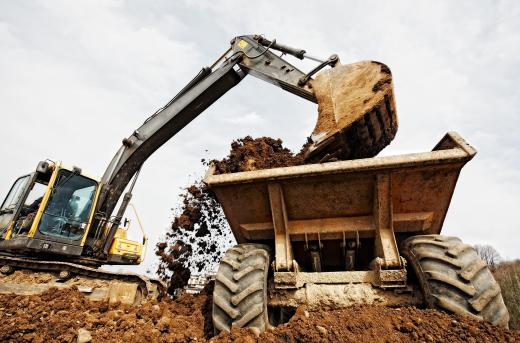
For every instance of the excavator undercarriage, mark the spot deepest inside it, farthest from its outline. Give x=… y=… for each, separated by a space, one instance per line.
x=28 y=276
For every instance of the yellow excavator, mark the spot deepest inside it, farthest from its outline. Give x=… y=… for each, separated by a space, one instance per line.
x=62 y=222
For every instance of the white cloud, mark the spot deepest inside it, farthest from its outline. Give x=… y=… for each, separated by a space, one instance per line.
x=79 y=76
x=251 y=118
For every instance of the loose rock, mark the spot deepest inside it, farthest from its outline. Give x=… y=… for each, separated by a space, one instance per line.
x=84 y=336
x=322 y=330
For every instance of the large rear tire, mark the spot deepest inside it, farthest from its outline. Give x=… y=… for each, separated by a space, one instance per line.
x=240 y=293
x=454 y=278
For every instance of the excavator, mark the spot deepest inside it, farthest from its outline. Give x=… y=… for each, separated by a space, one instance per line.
x=60 y=221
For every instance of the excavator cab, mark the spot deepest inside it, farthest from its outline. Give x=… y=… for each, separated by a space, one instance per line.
x=50 y=211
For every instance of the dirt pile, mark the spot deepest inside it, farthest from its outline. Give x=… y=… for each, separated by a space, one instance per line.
x=199 y=234
x=58 y=316
x=379 y=324
x=257 y=153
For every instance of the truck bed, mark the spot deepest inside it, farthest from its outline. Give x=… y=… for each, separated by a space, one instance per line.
x=336 y=199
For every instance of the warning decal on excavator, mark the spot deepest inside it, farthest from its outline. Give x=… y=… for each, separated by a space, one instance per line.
x=242 y=44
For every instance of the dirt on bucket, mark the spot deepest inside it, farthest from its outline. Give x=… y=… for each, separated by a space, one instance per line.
x=357 y=115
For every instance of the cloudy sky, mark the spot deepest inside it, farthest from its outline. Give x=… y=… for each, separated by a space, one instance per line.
x=78 y=76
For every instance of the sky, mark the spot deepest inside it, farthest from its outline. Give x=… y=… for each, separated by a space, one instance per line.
x=78 y=76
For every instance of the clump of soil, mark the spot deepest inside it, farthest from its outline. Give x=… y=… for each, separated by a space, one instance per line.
x=199 y=234
x=58 y=316
x=257 y=153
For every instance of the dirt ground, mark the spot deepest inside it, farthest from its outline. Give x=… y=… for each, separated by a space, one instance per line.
x=63 y=315
x=25 y=276
x=59 y=316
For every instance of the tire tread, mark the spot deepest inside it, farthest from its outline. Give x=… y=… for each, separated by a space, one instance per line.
x=240 y=293
x=454 y=278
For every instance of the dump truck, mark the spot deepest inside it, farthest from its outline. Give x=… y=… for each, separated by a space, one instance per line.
x=364 y=231
x=59 y=224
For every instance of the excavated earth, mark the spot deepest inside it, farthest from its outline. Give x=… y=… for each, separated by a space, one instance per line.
x=247 y=154
x=63 y=315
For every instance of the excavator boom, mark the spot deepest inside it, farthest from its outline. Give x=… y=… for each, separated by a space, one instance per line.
x=358 y=128
x=247 y=55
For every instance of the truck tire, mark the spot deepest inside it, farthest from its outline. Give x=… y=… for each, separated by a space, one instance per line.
x=240 y=293
x=454 y=278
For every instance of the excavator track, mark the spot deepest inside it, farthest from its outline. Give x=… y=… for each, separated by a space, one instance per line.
x=97 y=284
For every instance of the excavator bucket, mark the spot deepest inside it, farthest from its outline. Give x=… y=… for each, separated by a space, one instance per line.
x=356 y=112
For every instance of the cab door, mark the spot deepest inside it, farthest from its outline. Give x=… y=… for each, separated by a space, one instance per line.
x=11 y=203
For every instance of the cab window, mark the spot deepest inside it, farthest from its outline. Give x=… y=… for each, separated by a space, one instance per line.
x=15 y=194
x=69 y=206
x=29 y=209
x=10 y=203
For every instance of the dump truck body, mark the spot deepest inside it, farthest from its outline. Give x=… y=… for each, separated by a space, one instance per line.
x=331 y=235
x=378 y=201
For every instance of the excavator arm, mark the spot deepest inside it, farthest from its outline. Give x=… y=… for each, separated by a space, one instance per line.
x=247 y=55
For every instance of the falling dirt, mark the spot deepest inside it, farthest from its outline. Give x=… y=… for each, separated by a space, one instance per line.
x=196 y=240
x=58 y=316
x=199 y=234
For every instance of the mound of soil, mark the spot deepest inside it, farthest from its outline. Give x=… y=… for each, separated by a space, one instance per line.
x=59 y=316
x=378 y=324
x=257 y=153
